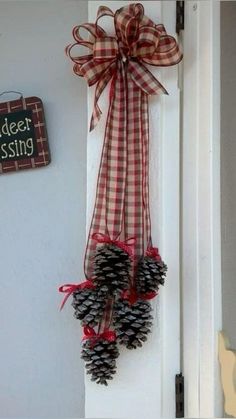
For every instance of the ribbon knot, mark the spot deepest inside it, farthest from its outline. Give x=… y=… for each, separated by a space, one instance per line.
x=89 y=333
x=153 y=252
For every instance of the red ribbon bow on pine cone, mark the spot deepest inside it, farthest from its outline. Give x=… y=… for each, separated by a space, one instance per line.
x=89 y=333
x=70 y=288
x=153 y=252
x=126 y=245
x=138 y=41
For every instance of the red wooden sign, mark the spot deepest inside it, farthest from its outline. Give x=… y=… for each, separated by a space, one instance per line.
x=23 y=136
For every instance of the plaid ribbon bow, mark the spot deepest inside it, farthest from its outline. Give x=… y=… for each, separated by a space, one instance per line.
x=122 y=199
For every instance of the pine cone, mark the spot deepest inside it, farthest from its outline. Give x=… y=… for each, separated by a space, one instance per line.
x=150 y=275
x=111 y=268
x=89 y=305
x=132 y=322
x=100 y=358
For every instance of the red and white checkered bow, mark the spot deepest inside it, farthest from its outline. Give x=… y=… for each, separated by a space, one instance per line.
x=122 y=199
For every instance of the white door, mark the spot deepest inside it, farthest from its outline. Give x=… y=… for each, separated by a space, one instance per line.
x=145 y=383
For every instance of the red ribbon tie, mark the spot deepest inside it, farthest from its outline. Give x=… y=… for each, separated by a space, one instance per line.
x=126 y=245
x=132 y=296
x=153 y=252
x=89 y=333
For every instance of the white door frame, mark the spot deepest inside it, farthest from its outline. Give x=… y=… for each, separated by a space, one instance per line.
x=200 y=214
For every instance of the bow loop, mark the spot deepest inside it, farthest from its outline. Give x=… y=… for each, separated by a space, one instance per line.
x=147 y=42
x=93 y=30
x=105 y=48
x=89 y=332
x=153 y=252
x=127 y=21
x=103 y=11
x=77 y=59
x=166 y=54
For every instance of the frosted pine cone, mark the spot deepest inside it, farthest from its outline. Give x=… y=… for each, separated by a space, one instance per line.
x=111 y=268
x=89 y=305
x=100 y=358
x=132 y=322
x=151 y=274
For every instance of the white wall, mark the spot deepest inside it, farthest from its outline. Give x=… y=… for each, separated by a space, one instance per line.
x=42 y=218
x=228 y=166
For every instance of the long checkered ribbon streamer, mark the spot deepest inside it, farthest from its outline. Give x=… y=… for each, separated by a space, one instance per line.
x=122 y=199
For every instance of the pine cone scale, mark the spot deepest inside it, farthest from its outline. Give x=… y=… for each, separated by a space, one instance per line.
x=132 y=322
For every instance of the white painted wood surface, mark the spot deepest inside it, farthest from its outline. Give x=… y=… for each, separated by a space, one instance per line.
x=144 y=385
x=201 y=209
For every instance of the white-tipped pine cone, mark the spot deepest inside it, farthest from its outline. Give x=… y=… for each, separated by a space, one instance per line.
x=150 y=275
x=111 y=269
x=132 y=322
x=100 y=360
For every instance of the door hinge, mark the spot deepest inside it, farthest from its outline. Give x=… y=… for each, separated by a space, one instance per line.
x=179 y=396
x=179 y=16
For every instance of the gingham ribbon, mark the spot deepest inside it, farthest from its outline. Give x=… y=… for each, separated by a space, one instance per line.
x=122 y=199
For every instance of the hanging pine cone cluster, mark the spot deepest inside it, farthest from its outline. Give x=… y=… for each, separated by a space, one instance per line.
x=111 y=269
x=151 y=274
x=132 y=322
x=89 y=305
x=110 y=300
x=100 y=359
